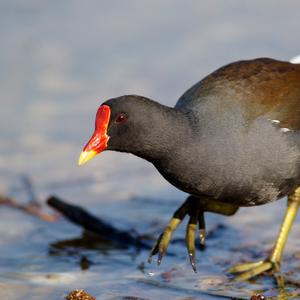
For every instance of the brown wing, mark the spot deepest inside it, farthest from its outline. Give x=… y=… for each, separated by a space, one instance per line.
x=264 y=87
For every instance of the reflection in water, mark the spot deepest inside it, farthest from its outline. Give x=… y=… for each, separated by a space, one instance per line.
x=77 y=248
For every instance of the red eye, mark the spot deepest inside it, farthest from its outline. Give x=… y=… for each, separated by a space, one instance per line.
x=122 y=117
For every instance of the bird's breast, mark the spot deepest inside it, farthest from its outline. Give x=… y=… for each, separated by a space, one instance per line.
x=244 y=167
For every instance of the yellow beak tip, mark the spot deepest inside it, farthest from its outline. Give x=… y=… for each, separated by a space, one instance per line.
x=80 y=162
x=85 y=156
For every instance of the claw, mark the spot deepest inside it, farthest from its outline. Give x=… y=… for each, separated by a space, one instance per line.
x=154 y=249
x=160 y=256
x=190 y=241
x=193 y=261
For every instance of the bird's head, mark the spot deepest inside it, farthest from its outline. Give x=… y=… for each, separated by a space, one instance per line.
x=125 y=124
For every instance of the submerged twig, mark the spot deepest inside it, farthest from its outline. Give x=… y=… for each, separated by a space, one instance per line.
x=93 y=224
x=29 y=188
x=29 y=208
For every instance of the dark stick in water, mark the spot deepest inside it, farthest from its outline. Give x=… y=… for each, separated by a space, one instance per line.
x=81 y=217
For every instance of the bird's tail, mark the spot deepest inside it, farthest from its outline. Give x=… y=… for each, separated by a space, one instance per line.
x=295 y=60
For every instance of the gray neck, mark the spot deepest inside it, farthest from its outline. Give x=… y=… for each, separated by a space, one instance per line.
x=169 y=129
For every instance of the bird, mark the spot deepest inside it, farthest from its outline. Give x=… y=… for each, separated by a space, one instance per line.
x=232 y=140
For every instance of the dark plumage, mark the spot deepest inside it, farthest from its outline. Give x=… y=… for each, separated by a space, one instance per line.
x=234 y=137
x=219 y=140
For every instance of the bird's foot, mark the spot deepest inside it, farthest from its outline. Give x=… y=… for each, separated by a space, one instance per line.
x=191 y=207
x=272 y=263
x=249 y=270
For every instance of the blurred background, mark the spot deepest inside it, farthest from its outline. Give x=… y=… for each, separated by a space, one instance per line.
x=59 y=60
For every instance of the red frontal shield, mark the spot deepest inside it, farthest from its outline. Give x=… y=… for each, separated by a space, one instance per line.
x=99 y=139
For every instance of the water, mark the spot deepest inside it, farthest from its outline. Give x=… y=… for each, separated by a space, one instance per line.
x=59 y=61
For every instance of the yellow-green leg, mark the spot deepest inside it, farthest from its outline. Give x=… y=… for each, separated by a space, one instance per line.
x=195 y=208
x=272 y=263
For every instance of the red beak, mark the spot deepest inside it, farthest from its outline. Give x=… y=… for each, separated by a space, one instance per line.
x=99 y=139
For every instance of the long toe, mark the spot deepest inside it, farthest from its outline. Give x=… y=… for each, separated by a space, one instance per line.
x=245 y=267
x=166 y=238
x=265 y=266
x=250 y=270
x=190 y=241
x=162 y=243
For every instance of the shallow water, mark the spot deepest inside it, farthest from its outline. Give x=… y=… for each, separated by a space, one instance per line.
x=58 y=62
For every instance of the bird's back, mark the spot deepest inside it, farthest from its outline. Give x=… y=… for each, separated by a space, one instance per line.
x=246 y=146
x=260 y=87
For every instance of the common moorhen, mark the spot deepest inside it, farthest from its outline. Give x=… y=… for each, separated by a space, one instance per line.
x=232 y=140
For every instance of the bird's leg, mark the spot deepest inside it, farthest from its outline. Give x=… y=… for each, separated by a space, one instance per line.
x=163 y=241
x=272 y=263
x=195 y=208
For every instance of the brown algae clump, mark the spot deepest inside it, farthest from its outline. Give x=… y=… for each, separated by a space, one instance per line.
x=79 y=295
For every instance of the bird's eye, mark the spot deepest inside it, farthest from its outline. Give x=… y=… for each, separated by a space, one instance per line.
x=121 y=117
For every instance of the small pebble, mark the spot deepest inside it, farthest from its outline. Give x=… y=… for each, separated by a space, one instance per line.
x=258 y=297
x=79 y=295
